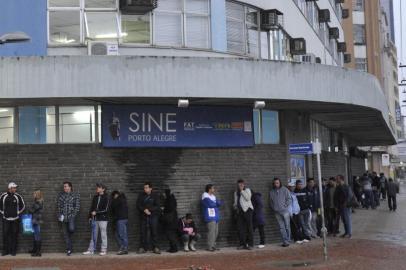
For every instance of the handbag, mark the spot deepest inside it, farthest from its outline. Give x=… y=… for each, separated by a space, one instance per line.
x=27 y=224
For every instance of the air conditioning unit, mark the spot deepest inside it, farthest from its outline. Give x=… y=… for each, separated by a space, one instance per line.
x=297 y=46
x=347 y=58
x=318 y=60
x=102 y=48
x=334 y=33
x=271 y=19
x=345 y=13
x=324 y=15
x=137 y=7
x=341 y=46
x=308 y=58
x=340 y=2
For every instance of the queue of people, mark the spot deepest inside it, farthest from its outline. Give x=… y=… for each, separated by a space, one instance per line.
x=296 y=208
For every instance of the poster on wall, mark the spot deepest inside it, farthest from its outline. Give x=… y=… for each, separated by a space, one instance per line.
x=170 y=126
x=297 y=169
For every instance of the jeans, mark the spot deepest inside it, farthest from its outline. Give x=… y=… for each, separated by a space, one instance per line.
x=37 y=232
x=186 y=238
x=10 y=236
x=261 y=230
x=369 y=199
x=313 y=223
x=149 y=227
x=296 y=228
x=392 y=202
x=383 y=193
x=345 y=214
x=122 y=234
x=376 y=197
x=212 y=234
x=304 y=217
x=245 y=228
x=102 y=227
x=284 y=226
x=68 y=230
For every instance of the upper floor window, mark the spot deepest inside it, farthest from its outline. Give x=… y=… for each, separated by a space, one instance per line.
x=242 y=29
x=361 y=64
x=266 y=127
x=358 y=5
x=6 y=125
x=359 y=34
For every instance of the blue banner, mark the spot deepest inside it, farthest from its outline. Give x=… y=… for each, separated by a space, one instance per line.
x=170 y=126
x=301 y=148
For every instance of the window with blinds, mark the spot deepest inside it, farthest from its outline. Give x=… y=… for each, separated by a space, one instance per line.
x=359 y=34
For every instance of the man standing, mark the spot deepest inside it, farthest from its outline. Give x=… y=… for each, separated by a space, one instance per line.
x=281 y=200
x=11 y=206
x=384 y=183
x=376 y=188
x=332 y=217
x=119 y=210
x=314 y=204
x=68 y=208
x=148 y=205
x=98 y=217
x=392 y=189
x=342 y=198
x=244 y=209
x=170 y=220
x=294 y=210
x=211 y=215
x=305 y=213
x=369 y=201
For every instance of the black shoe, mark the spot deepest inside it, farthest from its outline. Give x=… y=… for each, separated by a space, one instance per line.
x=4 y=254
x=249 y=248
x=211 y=249
x=343 y=236
x=141 y=251
x=122 y=252
x=13 y=254
x=216 y=249
x=172 y=250
x=241 y=247
x=285 y=245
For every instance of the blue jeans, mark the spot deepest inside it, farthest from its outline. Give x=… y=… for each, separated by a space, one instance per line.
x=37 y=232
x=284 y=226
x=346 y=217
x=68 y=230
x=121 y=234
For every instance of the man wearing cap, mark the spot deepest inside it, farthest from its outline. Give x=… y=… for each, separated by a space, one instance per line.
x=98 y=218
x=11 y=206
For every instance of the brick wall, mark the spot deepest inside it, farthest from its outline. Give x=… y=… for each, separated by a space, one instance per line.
x=357 y=166
x=187 y=171
x=332 y=164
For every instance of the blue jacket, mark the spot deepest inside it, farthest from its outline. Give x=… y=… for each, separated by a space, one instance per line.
x=210 y=208
x=258 y=216
x=294 y=208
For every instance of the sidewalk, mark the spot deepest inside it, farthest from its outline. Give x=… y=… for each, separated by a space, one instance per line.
x=379 y=242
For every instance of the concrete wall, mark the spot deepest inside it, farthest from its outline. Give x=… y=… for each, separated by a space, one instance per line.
x=187 y=171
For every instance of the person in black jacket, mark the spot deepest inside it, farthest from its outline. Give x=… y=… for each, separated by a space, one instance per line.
x=148 y=205
x=187 y=230
x=305 y=205
x=342 y=198
x=11 y=206
x=36 y=210
x=119 y=211
x=314 y=205
x=98 y=218
x=170 y=219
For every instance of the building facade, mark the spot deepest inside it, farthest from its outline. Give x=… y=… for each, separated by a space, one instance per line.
x=113 y=89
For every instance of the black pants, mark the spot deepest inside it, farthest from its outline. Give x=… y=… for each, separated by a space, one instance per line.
x=296 y=229
x=392 y=202
x=10 y=235
x=333 y=220
x=245 y=228
x=172 y=235
x=383 y=193
x=149 y=232
x=261 y=230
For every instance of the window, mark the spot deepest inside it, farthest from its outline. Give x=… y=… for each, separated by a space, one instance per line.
x=77 y=124
x=136 y=28
x=242 y=29
x=359 y=34
x=361 y=64
x=182 y=23
x=321 y=132
x=266 y=127
x=279 y=45
x=6 y=125
x=71 y=21
x=358 y=5
x=36 y=125
x=265 y=45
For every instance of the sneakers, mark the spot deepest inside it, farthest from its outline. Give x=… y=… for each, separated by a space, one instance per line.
x=88 y=252
x=122 y=252
x=305 y=241
x=103 y=253
x=285 y=245
x=156 y=251
x=68 y=252
x=192 y=246
x=299 y=242
x=261 y=246
x=141 y=251
x=211 y=249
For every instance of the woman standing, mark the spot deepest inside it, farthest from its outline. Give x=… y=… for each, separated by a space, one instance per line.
x=36 y=211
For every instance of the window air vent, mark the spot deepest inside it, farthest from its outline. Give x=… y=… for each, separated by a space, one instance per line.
x=102 y=48
x=341 y=46
x=138 y=7
x=345 y=13
x=324 y=15
x=318 y=60
x=347 y=58
x=271 y=19
x=297 y=46
x=334 y=33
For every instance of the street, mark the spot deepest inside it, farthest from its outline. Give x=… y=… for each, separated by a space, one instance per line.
x=379 y=242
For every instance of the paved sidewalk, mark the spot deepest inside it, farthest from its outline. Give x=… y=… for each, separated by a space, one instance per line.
x=379 y=242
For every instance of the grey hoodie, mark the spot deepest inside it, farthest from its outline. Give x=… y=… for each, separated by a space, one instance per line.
x=280 y=199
